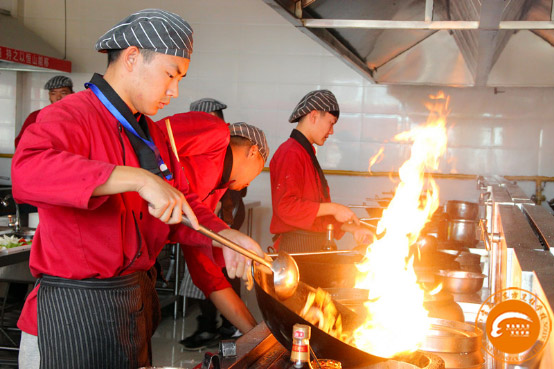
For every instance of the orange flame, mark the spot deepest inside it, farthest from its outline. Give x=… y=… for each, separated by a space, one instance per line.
x=376 y=158
x=397 y=321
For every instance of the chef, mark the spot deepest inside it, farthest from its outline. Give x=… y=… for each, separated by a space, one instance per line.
x=302 y=206
x=110 y=194
x=58 y=87
x=209 y=105
x=216 y=157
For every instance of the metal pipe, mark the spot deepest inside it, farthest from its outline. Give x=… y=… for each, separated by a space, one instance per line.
x=539 y=180
x=433 y=25
x=515 y=25
x=428 y=10
x=388 y=24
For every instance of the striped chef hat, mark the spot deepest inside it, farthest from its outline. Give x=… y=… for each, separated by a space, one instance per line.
x=254 y=134
x=207 y=105
x=320 y=100
x=152 y=29
x=58 y=82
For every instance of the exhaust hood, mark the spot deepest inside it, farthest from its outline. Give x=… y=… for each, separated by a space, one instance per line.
x=434 y=42
x=23 y=50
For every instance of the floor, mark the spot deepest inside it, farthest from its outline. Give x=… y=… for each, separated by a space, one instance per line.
x=167 y=351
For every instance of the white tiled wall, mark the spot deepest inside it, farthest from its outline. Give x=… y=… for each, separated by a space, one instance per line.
x=246 y=55
x=7 y=110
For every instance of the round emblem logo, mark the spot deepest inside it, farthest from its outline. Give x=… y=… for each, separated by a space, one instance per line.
x=516 y=323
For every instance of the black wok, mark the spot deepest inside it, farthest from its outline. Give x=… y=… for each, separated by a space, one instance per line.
x=281 y=315
x=328 y=269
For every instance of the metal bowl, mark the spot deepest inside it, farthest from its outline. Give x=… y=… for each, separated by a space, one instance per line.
x=464 y=231
x=462 y=210
x=457 y=281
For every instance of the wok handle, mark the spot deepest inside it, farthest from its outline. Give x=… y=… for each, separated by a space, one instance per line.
x=226 y=242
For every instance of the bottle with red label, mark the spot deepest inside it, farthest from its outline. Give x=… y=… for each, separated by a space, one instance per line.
x=300 y=354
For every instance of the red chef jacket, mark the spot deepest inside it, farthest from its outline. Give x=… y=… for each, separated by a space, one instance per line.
x=202 y=142
x=296 y=192
x=32 y=118
x=58 y=164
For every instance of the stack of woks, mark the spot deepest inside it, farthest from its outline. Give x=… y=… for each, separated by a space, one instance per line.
x=458 y=344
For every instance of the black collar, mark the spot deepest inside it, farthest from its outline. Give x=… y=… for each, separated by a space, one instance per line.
x=305 y=143
x=145 y=155
x=227 y=167
x=141 y=126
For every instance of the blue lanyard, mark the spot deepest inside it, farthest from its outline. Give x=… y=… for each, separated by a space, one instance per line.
x=130 y=128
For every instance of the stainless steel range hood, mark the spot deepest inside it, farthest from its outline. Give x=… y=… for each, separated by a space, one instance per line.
x=23 y=50
x=434 y=42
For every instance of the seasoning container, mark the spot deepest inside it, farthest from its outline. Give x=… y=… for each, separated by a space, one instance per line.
x=300 y=353
x=330 y=244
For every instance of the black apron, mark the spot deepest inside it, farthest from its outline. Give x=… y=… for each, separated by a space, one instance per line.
x=302 y=241
x=97 y=323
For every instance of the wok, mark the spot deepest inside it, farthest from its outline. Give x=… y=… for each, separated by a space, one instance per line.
x=335 y=269
x=281 y=315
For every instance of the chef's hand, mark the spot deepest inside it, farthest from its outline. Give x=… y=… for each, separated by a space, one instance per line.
x=238 y=265
x=362 y=235
x=340 y=212
x=165 y=202
x=345 y=215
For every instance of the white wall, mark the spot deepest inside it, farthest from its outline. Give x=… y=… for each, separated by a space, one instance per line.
x=246 y=55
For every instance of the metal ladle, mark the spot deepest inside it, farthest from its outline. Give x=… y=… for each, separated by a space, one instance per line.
x=284 y=268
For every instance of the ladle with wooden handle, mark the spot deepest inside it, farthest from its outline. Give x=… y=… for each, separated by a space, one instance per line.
x=284 y=268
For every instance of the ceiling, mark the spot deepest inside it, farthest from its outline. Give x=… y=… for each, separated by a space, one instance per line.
x=434 y=42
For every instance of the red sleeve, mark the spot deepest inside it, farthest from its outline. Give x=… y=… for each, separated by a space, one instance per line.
x=205 y=274
x=201 y=140
x=287 y=182
x=30 y=120
x=50 y=165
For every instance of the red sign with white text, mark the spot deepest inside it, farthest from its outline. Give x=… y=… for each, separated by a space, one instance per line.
x=25 y=57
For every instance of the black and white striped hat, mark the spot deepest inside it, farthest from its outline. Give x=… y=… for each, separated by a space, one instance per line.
x=320 y=100
x=152 y=29
x=207 y=105
x=58 y=82
x=252 y=133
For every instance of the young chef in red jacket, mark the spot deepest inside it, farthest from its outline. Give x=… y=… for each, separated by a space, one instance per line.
x=110 y=193
x=302 y=206
x=58 y=87
x=216 y=157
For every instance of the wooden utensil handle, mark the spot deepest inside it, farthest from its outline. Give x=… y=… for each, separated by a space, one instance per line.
x=228 y=243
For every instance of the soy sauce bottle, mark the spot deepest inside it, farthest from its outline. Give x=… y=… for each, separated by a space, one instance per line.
x=330 y=244
x=300 y=354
